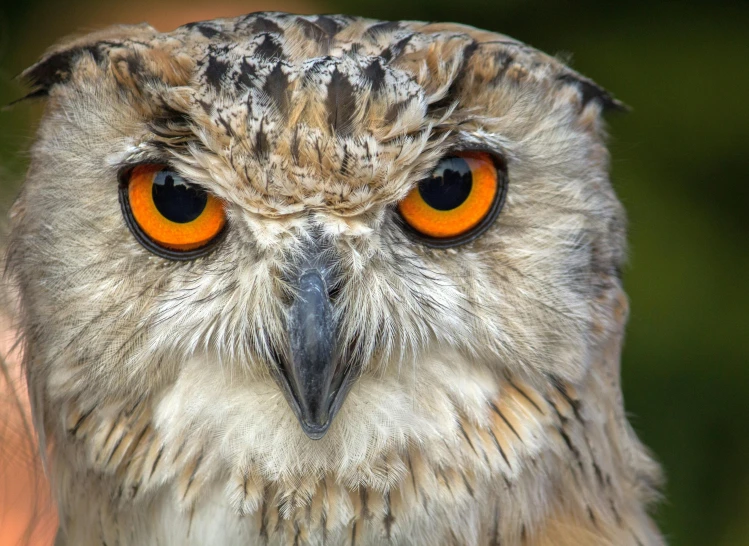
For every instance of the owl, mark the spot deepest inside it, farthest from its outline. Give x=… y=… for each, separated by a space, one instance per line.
x=325 y=280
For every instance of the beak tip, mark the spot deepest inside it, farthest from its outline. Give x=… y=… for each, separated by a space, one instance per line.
x=315 y=431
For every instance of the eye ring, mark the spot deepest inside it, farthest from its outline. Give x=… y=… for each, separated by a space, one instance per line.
x=476 y=228
x=147 y=209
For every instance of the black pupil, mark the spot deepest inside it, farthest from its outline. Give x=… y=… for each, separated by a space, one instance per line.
x=175 y=199
x=449 y=184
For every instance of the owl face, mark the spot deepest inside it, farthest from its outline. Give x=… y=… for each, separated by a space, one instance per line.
x=305 y=209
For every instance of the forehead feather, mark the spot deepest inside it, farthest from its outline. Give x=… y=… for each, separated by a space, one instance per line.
x=324 y=106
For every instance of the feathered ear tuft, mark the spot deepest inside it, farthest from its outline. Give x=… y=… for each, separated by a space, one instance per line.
x=591 y=91
x=57 y=65
x=55 y=68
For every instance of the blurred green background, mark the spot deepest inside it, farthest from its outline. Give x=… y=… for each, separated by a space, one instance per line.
x=680 y=164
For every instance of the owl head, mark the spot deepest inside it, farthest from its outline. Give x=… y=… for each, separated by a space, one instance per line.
x=282 y=227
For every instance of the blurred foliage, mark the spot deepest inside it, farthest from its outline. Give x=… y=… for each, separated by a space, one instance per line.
x=679 y=162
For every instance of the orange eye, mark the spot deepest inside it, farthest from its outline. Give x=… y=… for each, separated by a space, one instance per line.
x=169 y=215
x=457 y=202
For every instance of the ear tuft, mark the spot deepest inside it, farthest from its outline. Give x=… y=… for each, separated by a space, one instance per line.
x=54 y=69
x=591 y=91
x=57 y=65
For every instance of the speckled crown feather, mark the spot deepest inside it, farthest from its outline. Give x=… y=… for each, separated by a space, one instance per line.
x=327 y=104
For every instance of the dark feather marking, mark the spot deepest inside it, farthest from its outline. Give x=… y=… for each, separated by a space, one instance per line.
x=247 y=74
x=502 y=416
x=279 y=520
x=134 y=445
x=189 y=522
x=596 y=468
x=134 y=65
x=615 y=511
x=504 y=59
x=591 y=91
x=276 y=87
x=353 y=534
x=226 y=125
x=179 y=450
x=467 y=484
x=82 y=419
x=411 y=471
x=156 y=460
x=382 y=28
x=571 y=447
x=207 y=30
x=261 y=141
x=324 y=514
x=374 y=73
x=499 y=448
x=328 y=24
x=495 y=527
x=525 y=395
x=57 y=68
x=215 y=71
x=592 y=516
x=576 y=405
x=270 y=48
x=264 y=515
x=264 y=25
x=364 y=497
x=485 y=454
x=111 y=430
x=389 y=519
x=345 y=162
x=207 y=106
x=394 y=51
x=295 y=145
x=192 y=476
x=134 y=489
x=244 y=485
x=171 y=128
x=340 y=103
x=116 y=446
x=465 y=435
x=38 y=94
x=454 y=89
x=318 y=150
x=396 y=109
x=558 y=413
x=441 y=472
x=129 y=411
x=313 y=31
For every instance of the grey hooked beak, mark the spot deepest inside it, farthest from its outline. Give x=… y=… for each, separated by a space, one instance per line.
x=314 y=375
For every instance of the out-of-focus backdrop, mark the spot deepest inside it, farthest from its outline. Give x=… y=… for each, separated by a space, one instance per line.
x=680 y=164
